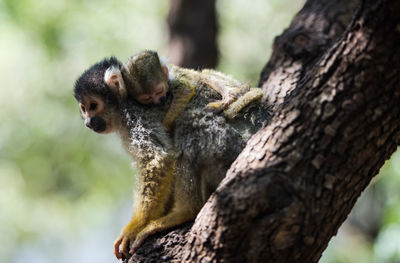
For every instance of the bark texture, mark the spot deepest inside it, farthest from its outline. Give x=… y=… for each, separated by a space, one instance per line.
x=296 y=181
x=311 y=32
x=193 y=33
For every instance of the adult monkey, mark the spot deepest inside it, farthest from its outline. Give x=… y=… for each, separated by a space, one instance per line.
x=177 y=172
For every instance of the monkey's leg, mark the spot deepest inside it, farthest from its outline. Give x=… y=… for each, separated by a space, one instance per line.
x=181 y=97
x=252 y=95
x=179 y=215
x=219 y=76
x=229 y=88
x=153 y=192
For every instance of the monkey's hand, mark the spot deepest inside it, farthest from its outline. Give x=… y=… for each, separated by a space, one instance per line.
x=180 y=213
x=124 y=242
x=153 y=192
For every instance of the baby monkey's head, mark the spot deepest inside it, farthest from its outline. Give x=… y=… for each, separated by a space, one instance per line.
x=146 y=77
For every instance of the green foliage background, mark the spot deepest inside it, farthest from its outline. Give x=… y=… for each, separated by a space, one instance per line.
x=65 y=192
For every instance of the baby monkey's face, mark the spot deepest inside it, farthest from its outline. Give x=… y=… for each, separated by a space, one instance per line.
x=156 y=95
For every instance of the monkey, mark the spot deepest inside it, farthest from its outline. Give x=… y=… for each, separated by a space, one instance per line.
x=177 y=173
x=147 y=79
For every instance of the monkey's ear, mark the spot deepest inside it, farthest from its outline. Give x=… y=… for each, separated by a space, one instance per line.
x=165 y=69
x=163 y=62
x=115 y=82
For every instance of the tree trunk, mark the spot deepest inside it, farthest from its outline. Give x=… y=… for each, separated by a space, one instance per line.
x=336 y=122
x=193 y=33
x=311 y=32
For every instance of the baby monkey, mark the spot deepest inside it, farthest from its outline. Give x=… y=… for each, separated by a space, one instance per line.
x=145 y=78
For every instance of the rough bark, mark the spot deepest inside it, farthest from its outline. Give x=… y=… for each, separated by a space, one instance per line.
x=311 y=32
x=193 y=33
x=296 y=181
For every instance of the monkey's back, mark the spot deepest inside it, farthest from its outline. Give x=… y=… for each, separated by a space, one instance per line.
x=207 y=143
x=203 y=144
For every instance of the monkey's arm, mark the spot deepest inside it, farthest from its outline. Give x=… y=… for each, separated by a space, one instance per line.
x=182 y=93
x=153 y=186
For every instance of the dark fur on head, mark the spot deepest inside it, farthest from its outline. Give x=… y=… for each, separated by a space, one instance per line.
x=92 y=82
x=150 y=61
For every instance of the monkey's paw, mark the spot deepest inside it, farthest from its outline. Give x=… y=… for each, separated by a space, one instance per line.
x=217 y=106
x=123 y=244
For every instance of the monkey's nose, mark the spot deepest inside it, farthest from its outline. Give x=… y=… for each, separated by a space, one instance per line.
x=162 y=99
x=96 y=123
x=155 y=98
x=87 y=123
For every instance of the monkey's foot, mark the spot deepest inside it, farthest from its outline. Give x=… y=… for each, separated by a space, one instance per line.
x=255 y=94
x=229 y=96
x=220 y=105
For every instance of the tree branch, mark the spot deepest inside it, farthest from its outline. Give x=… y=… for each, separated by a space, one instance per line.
x=312 y=31
x=193 y=33
x=295 y=182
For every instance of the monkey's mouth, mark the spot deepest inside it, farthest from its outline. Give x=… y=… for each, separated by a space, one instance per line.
x=99 y=129
x=163 y=99
x=96 y=124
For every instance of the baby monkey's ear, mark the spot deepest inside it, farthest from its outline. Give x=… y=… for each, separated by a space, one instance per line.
x=115 y=82
x=164 y=67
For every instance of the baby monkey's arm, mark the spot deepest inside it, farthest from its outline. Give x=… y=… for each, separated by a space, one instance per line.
x=182 y=94
x=148 y=79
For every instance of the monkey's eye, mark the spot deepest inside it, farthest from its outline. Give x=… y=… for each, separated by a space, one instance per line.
x=93 y=106
x=159 y=89
x=83 y=108
x=145 y=99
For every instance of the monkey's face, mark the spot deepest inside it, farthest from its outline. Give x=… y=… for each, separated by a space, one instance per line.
x=97 y=115
x=156 y=95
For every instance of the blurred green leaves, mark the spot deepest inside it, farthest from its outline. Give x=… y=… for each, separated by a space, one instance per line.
x=352 y=243
x=56 y=177
x=61 y=185
x=247 y=30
